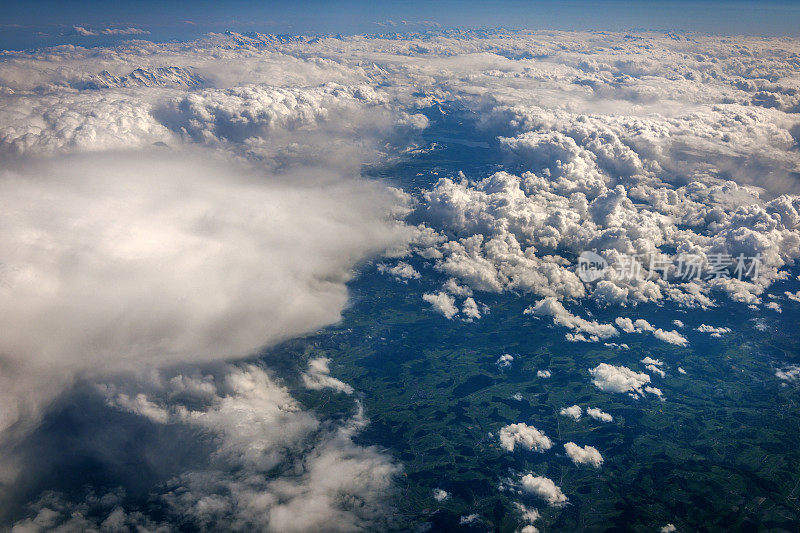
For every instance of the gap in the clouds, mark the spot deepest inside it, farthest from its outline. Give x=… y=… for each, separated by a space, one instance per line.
x=453 y=142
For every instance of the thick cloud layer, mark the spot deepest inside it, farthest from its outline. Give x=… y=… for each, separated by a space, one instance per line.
x=122 y=261
x=175 y=204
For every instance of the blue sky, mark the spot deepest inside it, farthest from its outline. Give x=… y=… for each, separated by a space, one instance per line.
x=40 y=23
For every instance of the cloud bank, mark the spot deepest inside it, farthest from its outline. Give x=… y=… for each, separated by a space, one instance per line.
x=124 y=260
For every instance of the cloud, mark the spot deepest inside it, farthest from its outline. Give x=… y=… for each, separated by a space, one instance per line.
x=626 y=324
x=611 y=378
x=470 y=309
x=643 y=326
x=591 y=165
x=80 y=30
x=528 y=516
x=142 y=406
x=775 y=306
x=318 y=377
x=672 y=337
x=168 y=204
x=401 y=271
x=543 y=374
x=469 y=519
x=442 y=302
x=654 y=366
x=654 y=390
x=85 y=32
x=334 y=125
x=524 y=436
x=598 y=414
x=505 y=360
x=135 y=259
x=440 y=495
x=586 y=455
x=275 y=466
x=499 y=218
x=572 y=412
x=789 y=373
x=69 y=122
x=124 y=31
x=331 y=126
x=553 y=308
x=621 y=346
x=714 y=331
x=55 y=513
x=545 y=489
x=588 y=171
x=334 y=471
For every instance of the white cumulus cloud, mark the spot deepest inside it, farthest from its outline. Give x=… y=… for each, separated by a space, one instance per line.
x=318 y=376
x=599 y=414
x=524 y=436
x=545 y=489
x=585 y=455
x=612 y=378
x=442 y=302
